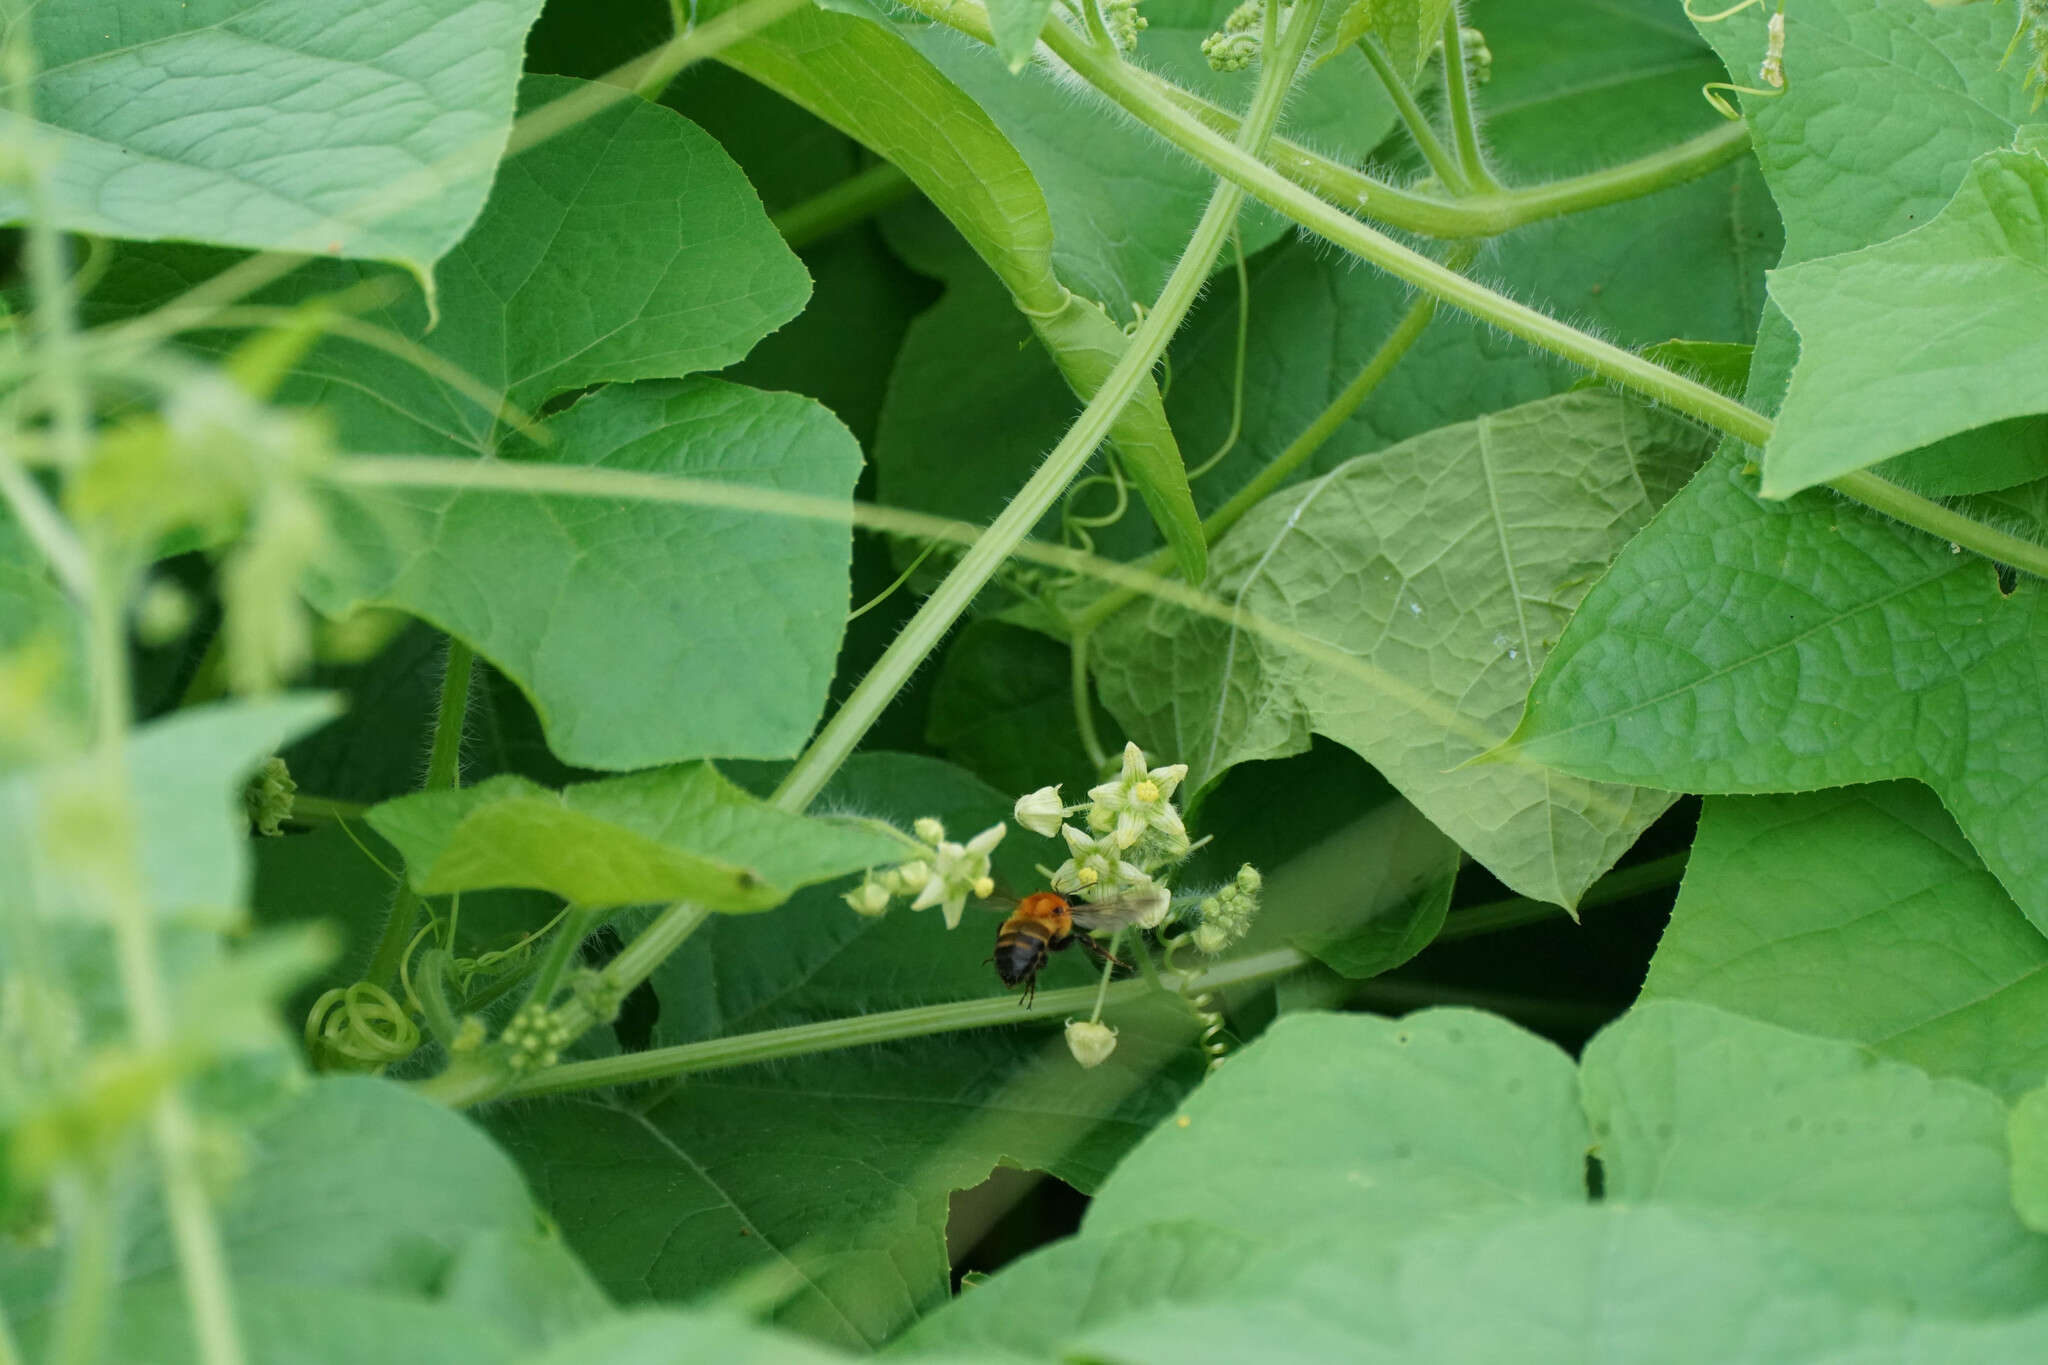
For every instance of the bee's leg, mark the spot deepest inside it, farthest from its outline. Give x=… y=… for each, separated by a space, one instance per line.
x=1030 y=991
x=1101 y=953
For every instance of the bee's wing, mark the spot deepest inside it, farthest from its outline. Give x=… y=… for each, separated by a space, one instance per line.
x=1115 y=912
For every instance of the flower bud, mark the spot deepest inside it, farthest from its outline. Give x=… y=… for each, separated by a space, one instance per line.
x=929 y=830
x=869 y=898
x=1090 y=1042
x=1041 y=812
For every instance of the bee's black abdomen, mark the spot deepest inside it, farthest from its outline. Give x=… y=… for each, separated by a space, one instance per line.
x=1019 y=953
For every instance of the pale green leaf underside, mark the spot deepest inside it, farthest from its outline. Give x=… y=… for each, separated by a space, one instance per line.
x=358 y=1229
x=1860 y=913
x=672 y=834
x=1443 y=568
x=191 y=833
x=1748 y=646
x=648 y=632
x=359 y=128
x=1958 y=305
x=1435 y=1207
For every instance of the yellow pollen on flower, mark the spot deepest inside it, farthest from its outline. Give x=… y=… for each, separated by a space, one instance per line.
x=1087 y=876
x=1147 y=792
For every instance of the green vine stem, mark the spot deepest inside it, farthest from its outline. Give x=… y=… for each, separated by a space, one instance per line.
x=444 y=761
x=859 y=196
x=1298 y=452
x=1481 y=215
x=921 y=634
x=1617 y=885
x=861 y=1030
x=86 y=1217
x=1417 y=123
x=1464 y=119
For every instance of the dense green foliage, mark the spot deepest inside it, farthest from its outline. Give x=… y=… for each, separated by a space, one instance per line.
x=538 y=543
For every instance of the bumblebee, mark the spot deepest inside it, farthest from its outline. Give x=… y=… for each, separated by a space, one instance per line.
x=1046 y=922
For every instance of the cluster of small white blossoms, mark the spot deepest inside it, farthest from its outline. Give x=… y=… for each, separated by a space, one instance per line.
x=945 y=874
x=1136 y=830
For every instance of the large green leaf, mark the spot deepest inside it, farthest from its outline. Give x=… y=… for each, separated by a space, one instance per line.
x=864 y=78
x=1438 y=573
x=1893 y=1180
x=1438 y=1114
x=585 y=267
x=643 y=632
x=1860 y=913
x=184 y=807
x=1962 y=297
x=1886 y=104
x=363 y=1220
x=333 y=127
x=828 y=1177
x=1745 y=646
x=670 y=834
x=1435 y=1208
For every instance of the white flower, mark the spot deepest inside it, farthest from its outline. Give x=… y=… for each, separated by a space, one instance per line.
x=1138 y=801
x=959 y=871
x=1041 y=811
x=1095 y=866
x=1090 y=1042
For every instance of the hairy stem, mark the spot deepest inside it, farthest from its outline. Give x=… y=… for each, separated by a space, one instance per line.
x=1464 y=121
x=444 y=762
x=1417 y=123
x=1287 y=462
x=922 y=633
x=1084 y=699
x=860 y=1030
x=859 y=196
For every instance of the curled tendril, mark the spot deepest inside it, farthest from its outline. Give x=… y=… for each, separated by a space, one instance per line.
x=1771 y=71
x=1202 y=1004
x=359 y=1027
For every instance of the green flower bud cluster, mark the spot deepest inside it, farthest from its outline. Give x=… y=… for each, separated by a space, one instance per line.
x=946 y=876
x=1221 y=918
x=1233 y=47
x=1478 y=56
x=268 y=796
x=2033 y=30
x=534 y=1038
x=1124 y=23
x=597 y=993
